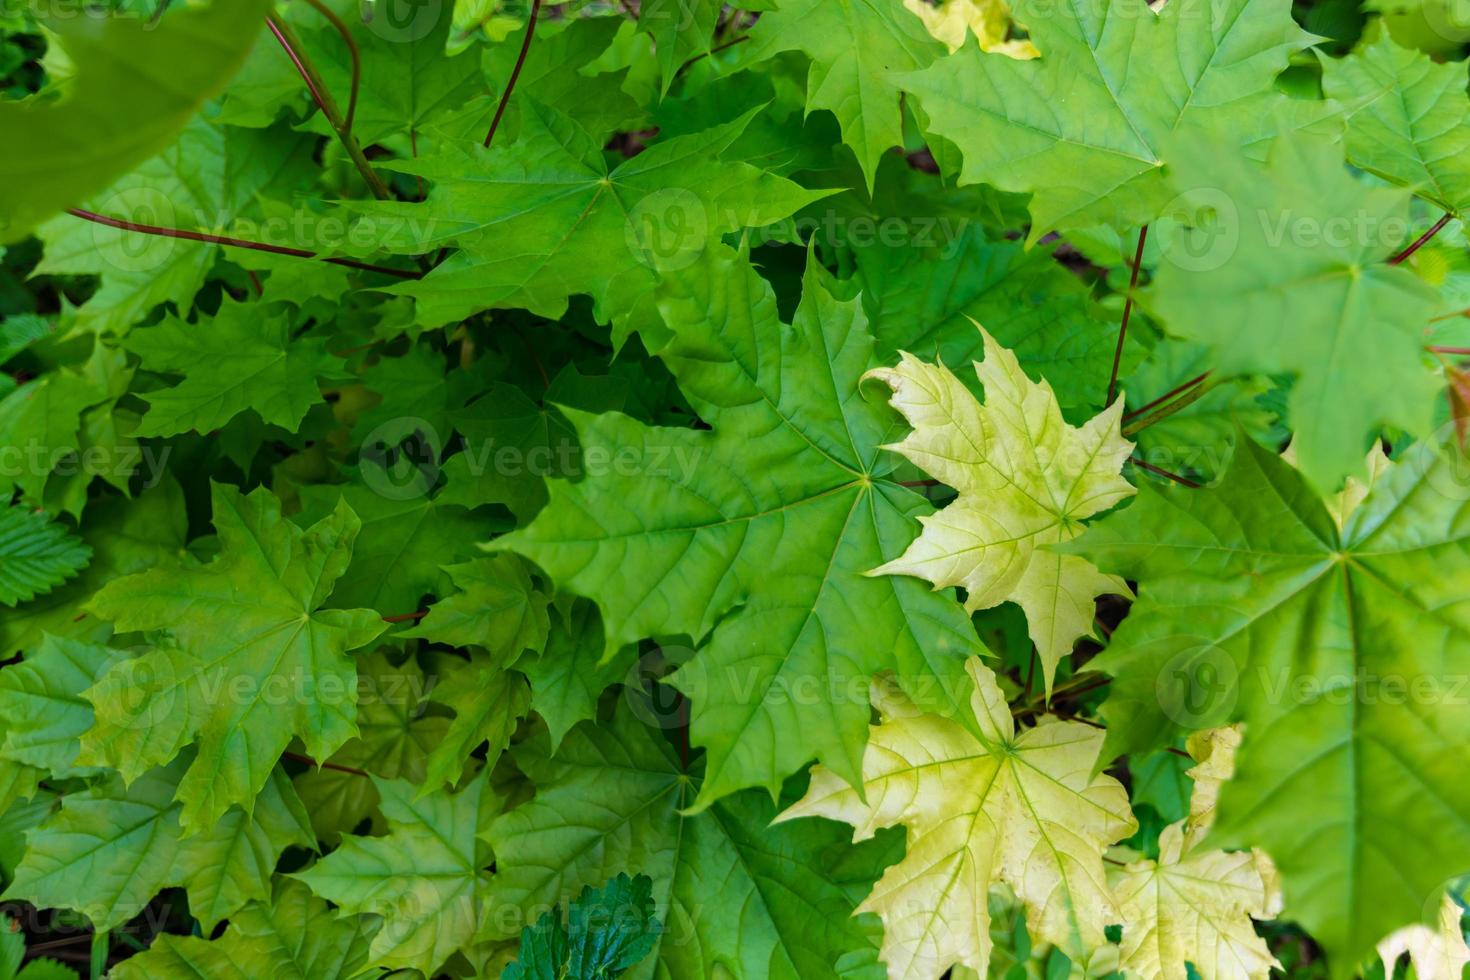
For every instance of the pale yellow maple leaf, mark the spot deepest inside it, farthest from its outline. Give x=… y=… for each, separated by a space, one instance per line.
x=1020 y=809
x=1354 y=489
x=988 y=20
x=1026 y=479
x=1195 y=905
x=1437 y=953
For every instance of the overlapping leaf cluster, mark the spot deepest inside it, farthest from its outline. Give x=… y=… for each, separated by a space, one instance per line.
x=794 y=489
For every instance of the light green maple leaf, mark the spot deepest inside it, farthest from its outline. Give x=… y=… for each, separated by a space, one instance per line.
x=42 y=698
x=755 y=538
x=242 y=358
x=110 y=849
x=1026 y=480
x=282 y=668
x=36 y=555
x=1408 y=119
x=425 y=878
x=615 y=798
x=681 y=30
x=207 y=180
x=1083 y=126
x=857 y=48
x=1020 y=808
x=1284 y=273
x=488 y=702
x=125 y=536
x=1254 y=606
x=135 y=84
x=295 y=936
x=577 y=224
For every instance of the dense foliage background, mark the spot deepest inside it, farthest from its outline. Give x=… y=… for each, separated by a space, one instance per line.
x=805 y=489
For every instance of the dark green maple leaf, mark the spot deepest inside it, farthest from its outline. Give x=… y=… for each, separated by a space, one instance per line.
x=546 y=217
x=242 y=358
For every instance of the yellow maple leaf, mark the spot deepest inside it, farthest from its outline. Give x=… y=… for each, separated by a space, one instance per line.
x=1195 y=905
x=1439 y=953
x=1026 y=479
x=988 y=20
x=1021 y=809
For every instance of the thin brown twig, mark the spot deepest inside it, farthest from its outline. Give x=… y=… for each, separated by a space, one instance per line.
x=710 y=53
x=406 y=617
x=352 y=52
x=1127 y=313
x=515 y=73
x=1160 y=471
x=308 y=760
x=291 y=44
x=1403 y=256
x=199 y=236
x=1166 y=396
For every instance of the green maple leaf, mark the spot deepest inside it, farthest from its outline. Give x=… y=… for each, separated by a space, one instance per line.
x=395 y=737
x=42 y=697
x=424 y=878
x=928 y=301
x=607 y=931
x=616 y=797
x=207 y=180
x=857 y=48
x=1255 y=605
x=294 y=936
x=109 y=849
x=410 y=86
x=405 y=541
x=681 y=30
x=1408 y=119
x=125 y=536
x=756 y=536
x=578 y=224
x=242 y=358
x=498 y=607
x=283 y=669
x=1083 y=126
x=41 y=423
x=567 y=66
x=488 y=702
x=1290 y=278
x=36 y=555
x=569 y=676
x=1026 y=481
x=121 y=106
